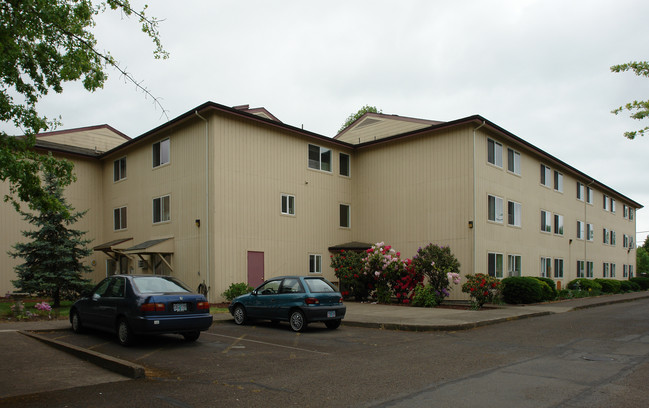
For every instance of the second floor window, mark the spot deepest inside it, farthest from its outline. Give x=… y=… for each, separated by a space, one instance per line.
x=288 y=204
x=345 y=216
x=161 y=153
x=546 y=221
x=119 y=169
x=119 y=218
x=161 y=209
x=319 y=158
x=495 y=209
x=514 y=213
x=343 y=160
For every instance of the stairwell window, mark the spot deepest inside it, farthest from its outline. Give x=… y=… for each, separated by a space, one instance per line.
x=344 y=162
x=288 y=204
x=161 y=209
x=119 y=169
x=119 y=218
x=345 y=216
x=315 y=263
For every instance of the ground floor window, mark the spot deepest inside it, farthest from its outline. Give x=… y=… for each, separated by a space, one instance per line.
x=581 y=269
x=546 y=266
x=495 y=264
x=315 y=263
x=558 y=268
x=514 y=265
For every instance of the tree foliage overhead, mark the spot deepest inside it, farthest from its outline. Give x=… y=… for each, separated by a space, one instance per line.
x=362 y=111
x=53 y=255
x=43 y=44
x=637 y=109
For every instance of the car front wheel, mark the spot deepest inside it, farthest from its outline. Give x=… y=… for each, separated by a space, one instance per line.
x=75 y=320
x=297 y=321
x=239 y=315
x=124 y=334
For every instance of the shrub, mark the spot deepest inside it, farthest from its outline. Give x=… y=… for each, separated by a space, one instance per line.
x=628 y=286
x=348 y=267
x=587 y=287
x=383 y=264
x=426 y=296
x=523 y=290
x=237 y=289
x=642 y=281
x=439 y=265
x=404 y=288
x=610 y=285
x=552 y=287
x=482 y=289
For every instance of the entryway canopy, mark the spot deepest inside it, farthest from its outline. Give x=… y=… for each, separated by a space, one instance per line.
x=160 y=247
x=112 y=248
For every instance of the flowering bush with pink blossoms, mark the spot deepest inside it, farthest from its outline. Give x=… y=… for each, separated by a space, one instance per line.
x=441 y=268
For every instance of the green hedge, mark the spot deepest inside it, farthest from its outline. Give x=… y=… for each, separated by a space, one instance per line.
x=628 y=286
x=551 y=292
x=610 y=285
x=523 y=290
x=642 y=281
x=584 y=284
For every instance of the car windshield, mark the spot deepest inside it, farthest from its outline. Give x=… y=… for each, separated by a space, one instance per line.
x=158 y=284
x=317 y=285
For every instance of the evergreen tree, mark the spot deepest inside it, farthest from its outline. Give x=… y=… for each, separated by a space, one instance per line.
x=53 y=254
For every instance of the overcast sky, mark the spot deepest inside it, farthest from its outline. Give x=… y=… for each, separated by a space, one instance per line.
x=540 y=69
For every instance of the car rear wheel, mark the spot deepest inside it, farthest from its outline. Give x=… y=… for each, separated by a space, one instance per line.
x=332 y=324
x=124 y=334
x=192 y=336
x=239 y=314
x=75 y=320
x=297 y=321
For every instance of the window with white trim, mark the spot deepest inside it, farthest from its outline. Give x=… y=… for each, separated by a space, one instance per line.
x=546 y=267
x=161 y=153
x=630 y=271
x=612 y=205
x=319 y=158
x=605 y=236
x=546 y=175
x=546 y=221
x=612 y=239
x=625 y=211
x=590 y=232
x=612 y=270
x=288 y=204
x=580 y=191
x=558 y=224
x=631 y=213
x=514 y=263
x=590 y=268
x=580 y=230
x=495 y=209
x=494 y=153
x=345 y=216
x=514 y=213
x=495 y=264
x=344 y=164
x=119 y=169
x=589 y=195
x=605 y=203
x=514 y=161
x=625 y=271
x=558 y=268
x=119 y=218
x=161 y=209
x=605 y=269
x=558 y=181
x=315 y=263
x=625 y=241
x=580 y=269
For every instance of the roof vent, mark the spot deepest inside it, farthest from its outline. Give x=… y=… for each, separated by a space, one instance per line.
x=367 y=122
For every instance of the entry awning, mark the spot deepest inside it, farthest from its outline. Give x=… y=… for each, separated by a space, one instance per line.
x=351 y=246
x=153 y=247
x=112 y=248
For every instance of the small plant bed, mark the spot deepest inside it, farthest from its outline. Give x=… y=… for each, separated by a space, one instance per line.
x=32 y=309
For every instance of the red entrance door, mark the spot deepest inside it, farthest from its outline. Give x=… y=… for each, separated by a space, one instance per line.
x=255 y=268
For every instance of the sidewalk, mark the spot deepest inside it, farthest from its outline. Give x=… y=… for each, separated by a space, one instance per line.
x=27 y=353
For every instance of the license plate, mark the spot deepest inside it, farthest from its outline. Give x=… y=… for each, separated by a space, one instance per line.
x=180 y=307
x=331 y=313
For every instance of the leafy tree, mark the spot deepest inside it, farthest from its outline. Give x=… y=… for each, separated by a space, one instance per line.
x=362 y=111
x=53 y=255
x=45 y=43
x=642 y=260
x=637 y=109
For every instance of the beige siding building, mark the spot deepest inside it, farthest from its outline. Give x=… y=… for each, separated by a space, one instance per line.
x=222 y=195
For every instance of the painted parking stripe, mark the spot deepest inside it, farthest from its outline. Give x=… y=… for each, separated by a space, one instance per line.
x=267 y=344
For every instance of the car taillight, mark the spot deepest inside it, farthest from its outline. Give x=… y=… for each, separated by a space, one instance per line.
x=340 y=300
x=153 y=307
x=203 y=306
x=311 y=301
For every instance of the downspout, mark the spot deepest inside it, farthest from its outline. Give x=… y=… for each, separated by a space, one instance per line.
x=586 y=238
x=207 y=205
x=475 y=199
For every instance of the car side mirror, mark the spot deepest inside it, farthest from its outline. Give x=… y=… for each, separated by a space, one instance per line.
x=254 y=292
x=95 y=296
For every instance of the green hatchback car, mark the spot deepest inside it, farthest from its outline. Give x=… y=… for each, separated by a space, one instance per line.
x=298 y=300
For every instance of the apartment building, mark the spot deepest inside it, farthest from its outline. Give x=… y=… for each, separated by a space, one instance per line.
x=221 y=195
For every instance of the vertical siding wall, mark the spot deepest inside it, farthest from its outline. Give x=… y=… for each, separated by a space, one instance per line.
x=254 y=164
x=417 y=191
x=528 y=241
x=84 y=194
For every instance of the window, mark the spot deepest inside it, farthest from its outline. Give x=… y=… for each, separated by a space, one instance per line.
x=514 y=213
x=161 y=209
x=605 y=236
x=580 y=191
x=580 y=230
x=626 y=211
x=605 y=270
x=288 y=204
x=546 y=175
x=625 y=271
x=558 y=224
x=589 y=195
x=612 y=270
x=546 y=221
x=514 y=265
x=590 y=232
x=344 y=216
x=495 y=265
x=119 y=169
x=558 y=181
x=612 y=238
x=495 y=209
x=319 y=158
x=119 y=218
x=625 y=241
x=605 y=202
x=343 y=161
x=580 y=269
x=494 y=153
x=631 y=213
x=558 y=268
x=589 y=269
x=161 y=153
x=612 y=205
x=546 y=266
x=630 y=271
x=315 y=263
x=514 y=161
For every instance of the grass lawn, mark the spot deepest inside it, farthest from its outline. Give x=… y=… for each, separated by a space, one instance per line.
x=63 y=311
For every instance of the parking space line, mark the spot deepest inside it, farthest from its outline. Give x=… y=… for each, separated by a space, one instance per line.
x=231 y=346
x=267 y=344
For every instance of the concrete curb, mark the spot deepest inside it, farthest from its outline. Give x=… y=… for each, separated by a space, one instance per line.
x=113 y=364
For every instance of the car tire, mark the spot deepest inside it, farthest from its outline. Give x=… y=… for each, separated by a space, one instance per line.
x=332 y=324
x=125 y=335
x=75 y=321
x=297 y=321
x=192 y=336
x=240 y=315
